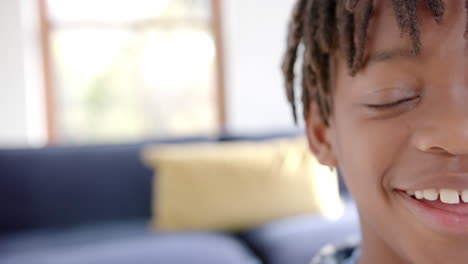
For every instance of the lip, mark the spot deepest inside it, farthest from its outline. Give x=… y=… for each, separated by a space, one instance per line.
x=443 y=218
x=448 y=181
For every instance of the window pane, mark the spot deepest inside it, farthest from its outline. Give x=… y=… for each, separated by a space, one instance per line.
x=126 y=81
x=62 y=11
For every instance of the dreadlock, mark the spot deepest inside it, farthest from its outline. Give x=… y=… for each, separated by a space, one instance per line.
x=466 y=28
x=313 y=24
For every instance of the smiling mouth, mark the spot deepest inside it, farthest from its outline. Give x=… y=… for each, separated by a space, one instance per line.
x=443 y=210
x=446 y=196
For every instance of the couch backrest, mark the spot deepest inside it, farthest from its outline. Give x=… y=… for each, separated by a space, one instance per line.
x=57 y=187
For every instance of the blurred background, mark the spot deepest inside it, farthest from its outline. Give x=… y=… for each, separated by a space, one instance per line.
x=90 y=71
x=156 y=131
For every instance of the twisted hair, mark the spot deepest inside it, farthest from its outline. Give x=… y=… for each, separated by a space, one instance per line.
x=324 y=26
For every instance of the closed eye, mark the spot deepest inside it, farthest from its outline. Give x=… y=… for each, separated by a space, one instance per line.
x=393 y=104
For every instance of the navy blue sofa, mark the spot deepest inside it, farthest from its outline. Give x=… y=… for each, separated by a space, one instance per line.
x=92 y=205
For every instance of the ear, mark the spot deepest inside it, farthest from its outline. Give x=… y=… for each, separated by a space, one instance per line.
x=319 y=137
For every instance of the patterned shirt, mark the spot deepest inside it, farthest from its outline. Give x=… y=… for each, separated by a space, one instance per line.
x=346 y=254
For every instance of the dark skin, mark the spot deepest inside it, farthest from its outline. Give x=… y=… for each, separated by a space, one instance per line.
x=400 y=120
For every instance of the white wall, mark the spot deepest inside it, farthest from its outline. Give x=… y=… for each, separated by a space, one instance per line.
x=255 y=40
x=12 y=93
x=21 y=110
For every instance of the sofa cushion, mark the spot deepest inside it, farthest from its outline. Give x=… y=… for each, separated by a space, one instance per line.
x=66 y=186
x=296 y=240
x=72 y=185
x=234 y=186
x=122 y=243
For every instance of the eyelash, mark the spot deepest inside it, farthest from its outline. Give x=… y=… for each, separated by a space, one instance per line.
x=391 y=105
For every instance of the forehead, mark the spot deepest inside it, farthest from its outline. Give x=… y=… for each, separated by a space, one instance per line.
x=385 y=35
x=442 y=61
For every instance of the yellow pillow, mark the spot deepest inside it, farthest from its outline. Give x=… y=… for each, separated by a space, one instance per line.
x=235 y=186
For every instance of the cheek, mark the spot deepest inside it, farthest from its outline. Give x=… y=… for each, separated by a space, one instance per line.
x=368 y=149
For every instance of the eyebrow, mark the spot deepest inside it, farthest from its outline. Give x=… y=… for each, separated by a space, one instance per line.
x=391 y=55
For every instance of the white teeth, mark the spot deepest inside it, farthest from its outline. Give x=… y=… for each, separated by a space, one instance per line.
x=430 y=194
x=419 y=195
x=464 y=196
x=449 y=196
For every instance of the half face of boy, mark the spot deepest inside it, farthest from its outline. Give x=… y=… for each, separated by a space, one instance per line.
x=400 y=126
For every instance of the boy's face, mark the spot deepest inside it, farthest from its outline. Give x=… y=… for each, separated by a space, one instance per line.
x=401 y=124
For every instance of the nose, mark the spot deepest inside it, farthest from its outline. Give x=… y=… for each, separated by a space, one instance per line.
x=444 y=133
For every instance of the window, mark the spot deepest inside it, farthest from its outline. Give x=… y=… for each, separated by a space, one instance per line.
x=132 y=69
